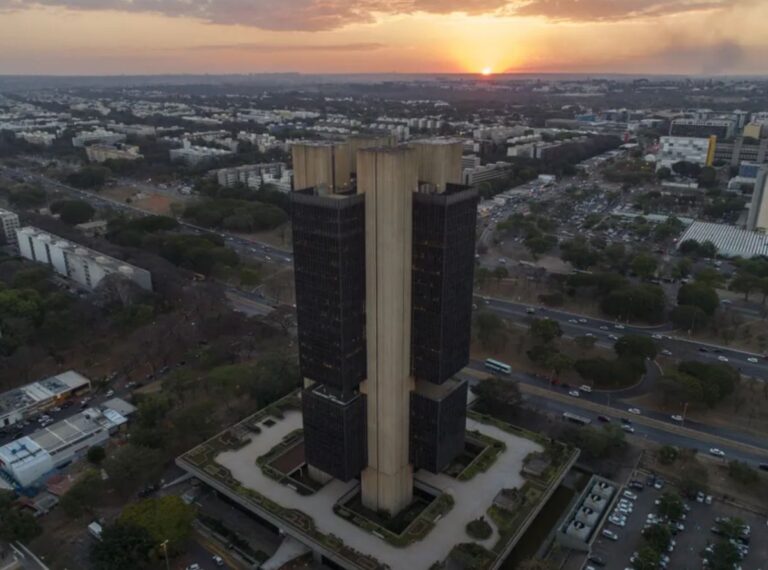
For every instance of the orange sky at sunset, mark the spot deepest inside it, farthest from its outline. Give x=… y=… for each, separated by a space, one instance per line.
x=342 y=36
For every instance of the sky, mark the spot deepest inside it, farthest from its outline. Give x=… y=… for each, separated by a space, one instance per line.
x=112 y=37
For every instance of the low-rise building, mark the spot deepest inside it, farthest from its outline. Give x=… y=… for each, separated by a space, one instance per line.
x=696 y=150
x=101 y=136
x=27 y=460
x=192 y=154
x=248 y=174
x=21 y=403
x=39 y=138
x=729 y=241
x=703 y=128
x=104 y=152
x=485 y=173
x=9 y=223
x=76 y=262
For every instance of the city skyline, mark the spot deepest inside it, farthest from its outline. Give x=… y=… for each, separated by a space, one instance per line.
x=113 y=37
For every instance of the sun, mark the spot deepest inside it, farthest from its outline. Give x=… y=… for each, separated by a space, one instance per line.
x=486 y=71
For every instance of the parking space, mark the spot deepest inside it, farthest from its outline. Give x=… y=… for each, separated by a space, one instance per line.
x=690 y=541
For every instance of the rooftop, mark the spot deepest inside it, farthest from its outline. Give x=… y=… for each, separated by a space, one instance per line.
x=729 y=240
x=18 y=399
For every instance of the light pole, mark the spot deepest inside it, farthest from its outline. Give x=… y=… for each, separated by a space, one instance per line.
x=164 y=546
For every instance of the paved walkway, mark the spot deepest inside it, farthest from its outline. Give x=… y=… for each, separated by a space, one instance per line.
x=472 y=498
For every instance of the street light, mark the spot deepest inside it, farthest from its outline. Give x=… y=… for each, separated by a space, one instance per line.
x=164 y=546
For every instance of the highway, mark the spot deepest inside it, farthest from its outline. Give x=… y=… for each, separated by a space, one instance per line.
x=606 y=332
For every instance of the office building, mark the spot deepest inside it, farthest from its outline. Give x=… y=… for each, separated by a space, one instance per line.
x=29 y=400
x=250 y=175
x=193 y=154
x=696 y=150
x=723 y=129
x=758 y=207
x=9 y=223
x=100 y=136
x=486 y=173
x=384 y=260
x=742 y=149
x=82 y=265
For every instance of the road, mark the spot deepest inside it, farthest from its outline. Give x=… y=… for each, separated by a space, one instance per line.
x=246 y=247
x=648 y=424
x=606 y=332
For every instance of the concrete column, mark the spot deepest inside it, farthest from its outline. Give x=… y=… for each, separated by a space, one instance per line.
x=388 y=177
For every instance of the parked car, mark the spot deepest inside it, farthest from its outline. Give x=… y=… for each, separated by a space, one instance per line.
x=609 y=534
x=716 y=452
x=635 y=411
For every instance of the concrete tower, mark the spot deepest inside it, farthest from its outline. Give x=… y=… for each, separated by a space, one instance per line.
x=388 y=178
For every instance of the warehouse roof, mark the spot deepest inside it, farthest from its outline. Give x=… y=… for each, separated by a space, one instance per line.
x=730 y=241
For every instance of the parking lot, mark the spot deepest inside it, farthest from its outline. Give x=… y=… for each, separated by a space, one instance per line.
x=690 y=542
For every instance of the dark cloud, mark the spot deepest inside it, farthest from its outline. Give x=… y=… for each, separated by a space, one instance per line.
x=256 y=47
x=316 y=15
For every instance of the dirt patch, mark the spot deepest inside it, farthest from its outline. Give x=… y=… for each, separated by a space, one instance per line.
x=151 y=202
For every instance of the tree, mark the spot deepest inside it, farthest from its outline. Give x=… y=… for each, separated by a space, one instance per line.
x=671 y=506
x=494 y=391
x=688 y=317
x=545 y=330
x=165 y=518
x=539 y=245
x=668 y=454
x=536 y=564
x=699 y=295
x=742 y=473
x=664 y=173
x=725 y=556
x=490 y=330
x=15 y=524
x=482 y=275
x=682 y=269
x=500 y=273
x=658 y=536
x=644 y=302
x=83 y=495
x=635 y=347
x=708 y=177
x=744 y=283
x=73 y=212
x=647 y=559
x=89 y=177
x=122 y=547
x=585 y=342
x=644 y=265
x=133 y=466
x=96 y=454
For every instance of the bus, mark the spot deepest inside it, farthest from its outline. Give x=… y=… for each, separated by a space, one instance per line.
x=573 y=418
x=497 y=366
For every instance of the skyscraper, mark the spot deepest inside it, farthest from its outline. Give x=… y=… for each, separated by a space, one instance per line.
x=384 y=266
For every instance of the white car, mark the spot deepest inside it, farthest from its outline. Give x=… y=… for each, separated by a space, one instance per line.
x=573 y=321
x=752 y=359
x=613 y=519
x=656 y=337
x=582 y=320
x=635 y=411
x=630 y=495
x=603 y=328
x=574 y=393
x=628 y=429
x=716 y=452
x=666 y=352
x=619 y=327
x=722 y=358
x=613 y=337
x=585 y=388
x=218 y=560
x=609 y=534
x=677 y=418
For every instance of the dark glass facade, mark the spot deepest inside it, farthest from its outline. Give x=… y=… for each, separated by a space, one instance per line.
x=438 y=418
x=329 y=267
x=443 y=274
x=335 y=438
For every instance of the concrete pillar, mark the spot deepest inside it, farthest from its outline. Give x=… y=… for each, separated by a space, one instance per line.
x=388 y=177
x=439 y=161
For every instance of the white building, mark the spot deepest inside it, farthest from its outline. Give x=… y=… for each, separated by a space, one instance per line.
x=248 y=174
x=40 y=138
x=21 y=403
x=485 y=173
x=283 y=183
x=97 y=136
x=27 y=460
x=730 y=241
x=76 y=262
x=104 y=152
x=689 y=149
x=9 y=223
x=194 y=154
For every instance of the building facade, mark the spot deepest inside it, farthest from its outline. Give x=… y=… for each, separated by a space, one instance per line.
x=384 y=260
x=686 y=149
x=9 y=223
x=84 y=266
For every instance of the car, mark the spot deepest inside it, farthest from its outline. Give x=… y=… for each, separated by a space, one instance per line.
x=613 y=337
x=596 y=560
x=218 y=560
x=110 y=393
x=702 y=349
x=752 y=359
x=626 y=421
x=763 y=466
x=621 y=523
x=604 y=328
x=666 y=352
x=573 y=321
x=607 y=420
x=629 y=495
x=656 y=337
x=636 y=485
x=708 y=500
x=585 y=388
x=628 y=429
x=618 y=327
x=722 y=358
x=659 y=484
x=574 y=393
x=589 y=335
x=582 y=320
x=677 y=418
x=194 y=566
x=530 y=310
x=635 y=411
x=716 y=452
x=609 y=534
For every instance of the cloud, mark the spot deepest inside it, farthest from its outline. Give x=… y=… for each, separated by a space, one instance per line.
x=255 y=47
x=319 y=15
x=604 y=10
